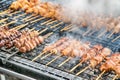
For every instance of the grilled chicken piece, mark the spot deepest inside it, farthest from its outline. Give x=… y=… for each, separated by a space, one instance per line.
x=7 y=36
x=15 y=5
x=25 y=36
x=61 y=47
x=56 y=44
x=68 y=50
x=91 y=53
x=117 y=69
x=112 y=64
x=100 y=57
x=31 y=44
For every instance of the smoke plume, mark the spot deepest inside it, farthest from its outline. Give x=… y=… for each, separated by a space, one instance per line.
x=75 y=7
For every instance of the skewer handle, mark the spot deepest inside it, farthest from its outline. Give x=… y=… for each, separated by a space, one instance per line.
x=100 y=75
x=14 y=17
x=102 y=34
x=14 y=13
x=38 y=56
x=111 y=34
x=83 y=70
x=46 y=56
x=91 y=33
x=3 y=12
x=116 y=38
x=30 y=18
x=20 y=15
x=71 y=29
x=46 y=22
x=66 y=28
x=2 y=20
x=56 y=25
x=47 y=35
x=75 y=67
x=115 y=77
x=64 y=62
x=9 y=23
x=32 y=29
x=52 y=22
x=53 y=60
x=87 y=32
x=37 y=19
x=43 y=30
x=21 y=26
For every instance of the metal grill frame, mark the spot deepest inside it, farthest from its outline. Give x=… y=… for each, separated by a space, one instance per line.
x=38 y=71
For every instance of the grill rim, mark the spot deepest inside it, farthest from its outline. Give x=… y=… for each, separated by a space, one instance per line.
x=35 y=68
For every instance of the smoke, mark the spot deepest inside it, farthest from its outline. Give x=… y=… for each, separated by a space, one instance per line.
x=76 y=10
x=75 y=7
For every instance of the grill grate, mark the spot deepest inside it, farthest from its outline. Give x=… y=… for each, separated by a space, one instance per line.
x=53 y=70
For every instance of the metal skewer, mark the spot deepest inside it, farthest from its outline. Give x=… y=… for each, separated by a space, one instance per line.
x=115 y=77
x=64 y=62
x=83 y=70
x=52 y=22
x=10 y=56
x=100 y=75
x=46 y=21
x=116 y=38
x=53 y=60
x=75 y=67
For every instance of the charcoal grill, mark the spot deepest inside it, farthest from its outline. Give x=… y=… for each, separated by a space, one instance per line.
x=21 y=63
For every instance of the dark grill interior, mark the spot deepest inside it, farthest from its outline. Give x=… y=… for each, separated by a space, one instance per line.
x=20 y=62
